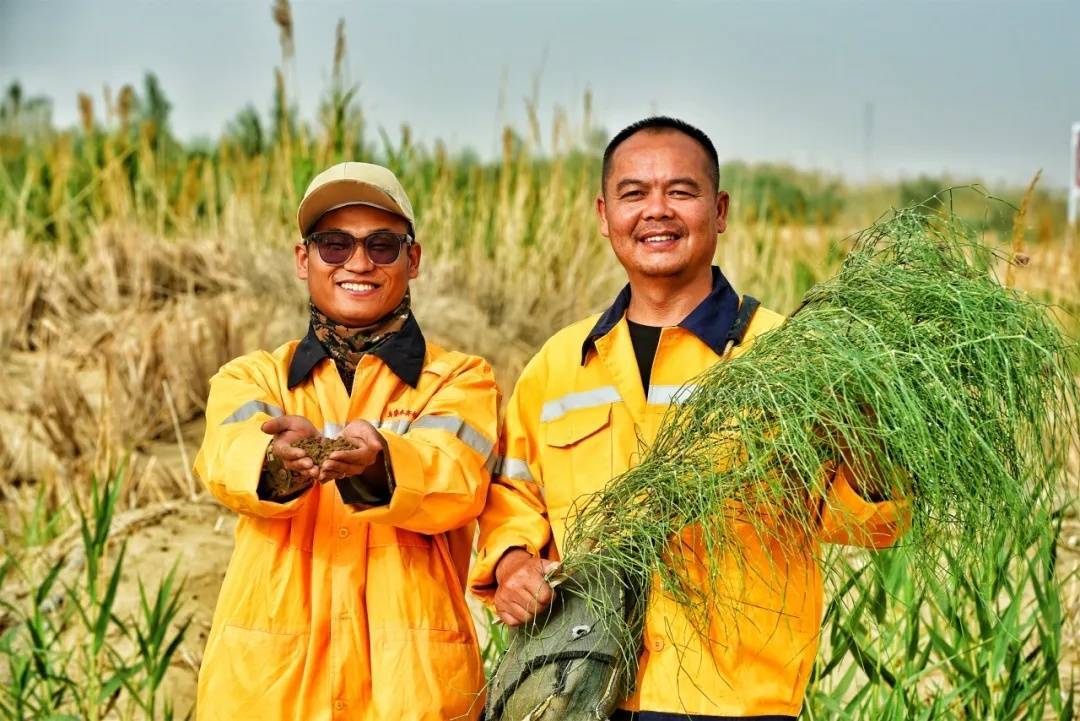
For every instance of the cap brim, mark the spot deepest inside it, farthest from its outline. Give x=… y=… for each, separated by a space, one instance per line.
x=338 y=193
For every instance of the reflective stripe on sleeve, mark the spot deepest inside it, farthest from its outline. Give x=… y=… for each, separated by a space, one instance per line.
x=457 y=426
x=516 y=469
x=559 y=407
x=400 y=426
x=250 y=408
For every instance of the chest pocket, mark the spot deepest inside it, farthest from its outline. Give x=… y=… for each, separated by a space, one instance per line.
x=578 y=454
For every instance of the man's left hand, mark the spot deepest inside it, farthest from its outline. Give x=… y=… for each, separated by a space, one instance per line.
x=343 y=464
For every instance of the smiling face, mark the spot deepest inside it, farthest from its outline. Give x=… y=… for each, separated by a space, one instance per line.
x=358 y=293
x=660 y=208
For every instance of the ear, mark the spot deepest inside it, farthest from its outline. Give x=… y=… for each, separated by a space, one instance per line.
x=723 y=200
x=301 y=253
x=414 y=254
x=601 y=213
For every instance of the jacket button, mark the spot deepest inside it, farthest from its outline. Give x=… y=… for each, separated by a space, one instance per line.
x=344 y=533
x=339 y=705
x=657 y=644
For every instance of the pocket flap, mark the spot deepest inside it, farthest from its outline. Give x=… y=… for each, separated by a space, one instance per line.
x=576 y=425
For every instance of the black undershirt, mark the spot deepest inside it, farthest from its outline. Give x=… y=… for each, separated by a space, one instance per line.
x=645 y=339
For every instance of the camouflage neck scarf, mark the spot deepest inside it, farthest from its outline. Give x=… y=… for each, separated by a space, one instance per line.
x=348 y=345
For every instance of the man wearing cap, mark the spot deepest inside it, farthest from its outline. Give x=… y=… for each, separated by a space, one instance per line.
x=344 y=597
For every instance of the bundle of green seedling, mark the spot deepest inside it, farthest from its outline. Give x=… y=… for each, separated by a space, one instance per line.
x=913 y=366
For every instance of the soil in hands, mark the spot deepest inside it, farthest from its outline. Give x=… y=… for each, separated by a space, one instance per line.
x=284 y=482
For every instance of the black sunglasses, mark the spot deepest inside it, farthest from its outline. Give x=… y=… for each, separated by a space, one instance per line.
x=336 y=246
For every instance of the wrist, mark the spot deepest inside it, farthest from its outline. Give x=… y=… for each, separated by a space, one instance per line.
x=276 y=482
x=511 y=559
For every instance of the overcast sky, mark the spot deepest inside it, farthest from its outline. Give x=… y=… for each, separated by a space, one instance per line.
x=984 y=89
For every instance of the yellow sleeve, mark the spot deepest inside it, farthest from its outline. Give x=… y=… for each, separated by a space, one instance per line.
x=441 y=464
x=850 y=519
x=515 y=514
x=243 y=396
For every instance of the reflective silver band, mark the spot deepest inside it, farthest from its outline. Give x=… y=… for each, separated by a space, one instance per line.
x=250 y=408
x=399 y=426
x=559 y=407
x=466 y=433
x=666 y=395
x=451 y=424
x=515 y=469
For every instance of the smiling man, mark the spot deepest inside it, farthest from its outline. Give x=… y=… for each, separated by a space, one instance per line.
x=344 y=598
x=594 y=397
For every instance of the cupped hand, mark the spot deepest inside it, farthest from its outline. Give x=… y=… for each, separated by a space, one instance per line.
x=369 y=446
x=286 y=431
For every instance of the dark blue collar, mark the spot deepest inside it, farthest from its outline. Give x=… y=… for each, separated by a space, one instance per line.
x=404 y=352
x=712 y=321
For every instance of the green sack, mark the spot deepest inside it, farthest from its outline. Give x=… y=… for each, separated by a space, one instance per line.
x=567 y=664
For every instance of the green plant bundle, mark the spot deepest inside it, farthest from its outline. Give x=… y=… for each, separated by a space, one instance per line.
x=913 y=366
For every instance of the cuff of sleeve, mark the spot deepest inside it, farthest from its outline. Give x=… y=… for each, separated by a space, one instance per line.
x=374 y=487
x=863 y=522
x=482 y=583
x=274 y=469
x=405 y=483
x=235 y=480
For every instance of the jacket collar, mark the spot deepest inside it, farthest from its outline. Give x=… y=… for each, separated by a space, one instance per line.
x=403 y=352
x=711 y=321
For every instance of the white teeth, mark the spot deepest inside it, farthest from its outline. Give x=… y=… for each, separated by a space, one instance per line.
x=659 y=238
x=358 y=287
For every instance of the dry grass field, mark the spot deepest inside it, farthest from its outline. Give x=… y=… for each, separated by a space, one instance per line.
x=108 y=348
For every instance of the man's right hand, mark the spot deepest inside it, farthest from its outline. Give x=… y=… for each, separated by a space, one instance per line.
x=286 y=431
x=523 y=590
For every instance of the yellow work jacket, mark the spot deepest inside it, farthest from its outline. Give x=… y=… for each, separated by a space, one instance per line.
x=578 y=417
x=338 y=611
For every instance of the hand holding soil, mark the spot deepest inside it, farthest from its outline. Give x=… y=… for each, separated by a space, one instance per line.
x=287 y=432
x=362 y=448
x=291 y=469
x=306 y=456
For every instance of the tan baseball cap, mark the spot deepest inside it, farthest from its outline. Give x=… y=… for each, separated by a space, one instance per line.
x=352 y=183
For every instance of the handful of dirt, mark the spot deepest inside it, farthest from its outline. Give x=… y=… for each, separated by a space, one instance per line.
x=319 y=448
x=282 y=482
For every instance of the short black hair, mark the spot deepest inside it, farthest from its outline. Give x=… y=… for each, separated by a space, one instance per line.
x=658 y=123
